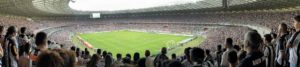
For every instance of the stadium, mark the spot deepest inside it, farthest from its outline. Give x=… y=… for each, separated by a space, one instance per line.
x=99 y=29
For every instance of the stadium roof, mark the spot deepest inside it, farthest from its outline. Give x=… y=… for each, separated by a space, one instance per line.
x=62 y=8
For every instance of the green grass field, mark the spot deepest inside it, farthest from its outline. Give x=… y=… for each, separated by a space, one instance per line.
x=130 y=42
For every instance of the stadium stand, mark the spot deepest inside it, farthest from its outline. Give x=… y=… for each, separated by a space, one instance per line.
x=236 y=30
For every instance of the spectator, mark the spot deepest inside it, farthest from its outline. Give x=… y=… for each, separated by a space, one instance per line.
x=293 y=45
x=197 y=56
x=136 y=57
x=280 y=50
x=208 y=59
x=1 y=44
x=11 y=48
x=159 y=59
x=99 y=52
x=218 y=55
x=94 y=62
x=73 y=48
x=68 y=57
x=108 y=61
x=104 y=53
x=24 y=60
x=241 y=56
x=254 y=58
x=53 y=59
x=269 y=51
x=127 y=59
x=142 y=62
x=232 y=59
x=229 y=47
x=174 y=57
x=187 y=61
x=119 y=62
x=149 y=60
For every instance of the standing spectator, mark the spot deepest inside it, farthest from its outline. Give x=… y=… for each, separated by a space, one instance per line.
x=187 y=61
x=149 y=60
x=254 y=58
x=24 y=60
x=41 y=45
x=197 y=57
x=229 y=47
x=1 y=44
x=22 y=38
x=53 y=59
x=232 y=59
x=159 y=59
x=218 y=55
x=11 y=48
x=293 y=45
x=269 y=51
x=280 y=50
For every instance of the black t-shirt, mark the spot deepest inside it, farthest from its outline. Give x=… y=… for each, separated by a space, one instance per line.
x=255 y=59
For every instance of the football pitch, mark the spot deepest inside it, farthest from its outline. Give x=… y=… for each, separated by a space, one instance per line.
x=124 y=41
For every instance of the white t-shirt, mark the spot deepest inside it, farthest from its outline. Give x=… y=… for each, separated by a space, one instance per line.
x=224 y=61
x=293 y=50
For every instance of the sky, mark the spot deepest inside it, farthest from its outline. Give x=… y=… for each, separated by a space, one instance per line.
x=114 y=5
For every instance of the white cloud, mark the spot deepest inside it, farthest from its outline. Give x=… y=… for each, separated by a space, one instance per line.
x=113 y=5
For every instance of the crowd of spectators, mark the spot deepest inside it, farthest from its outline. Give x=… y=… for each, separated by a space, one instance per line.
x=241 y=45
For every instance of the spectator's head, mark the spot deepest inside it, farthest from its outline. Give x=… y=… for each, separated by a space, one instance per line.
x=77 y=52
x=147 y=53
x=23 y=30
x=109 y=53
x=11 y=31
x=119 y=56
x=267 y=38
x=174 y=56
x=175 y=64
x=53 y=59
x=73 y=48
x=207 y=52
x=197 y=55
x=297 y=22
x=274 y=35
x=104 y=54
x=67 y=56
x=241 y=55
x=237 y=47
x=232 y=58
x=127 y=59
x=228 y=43
x=93 y=61
x=219 y=47
x=141 y=62
x=136 y=56
x=41 y=40
x=1 y=30
x=164 y=50
x=252 y=41
x=108 y=61
x=99 y=51
x=187 y=52
x=283 y=28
